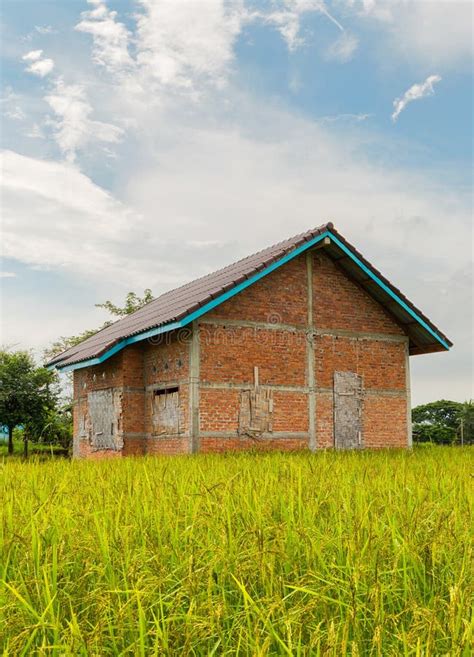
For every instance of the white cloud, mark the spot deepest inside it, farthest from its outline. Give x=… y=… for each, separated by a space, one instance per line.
x=343 y=49
x=348 y=117
x=41 y=68
x=415 y=92
x=251 y=167
x=11 y=107
x=189 y=46
x=178 y=47
x=15 y=113
x=110 y=37
x=434 y=33
x=32 y=56
x=180 y=43
x=7 y=274
x=35 y=132
x=45 y=29
x=198 y=175
x=287 y=18
x=74 y=129
x=229 y=175
x=38 y=66
x=58 y=218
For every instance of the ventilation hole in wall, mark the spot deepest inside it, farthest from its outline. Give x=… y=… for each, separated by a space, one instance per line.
x=84 y=385
x=180 y=362
x=103 y=375
x=154 y=369
x=94 y=377
x=166 y=366
x=166 y=391
x=111 y=428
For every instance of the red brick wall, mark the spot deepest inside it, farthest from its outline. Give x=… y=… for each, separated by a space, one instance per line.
x=123 y=372
x=277 y=298
x=166 y=359
x=341 y=304
x=325 y=420
x=385 y=422
x=290 y=413
x=230 y=353
x=166 y=362
x=381 y=363
x=352 y=333
x=168 y=446
x=218 y=410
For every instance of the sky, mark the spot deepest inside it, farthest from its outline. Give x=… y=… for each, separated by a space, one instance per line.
x=148 y=142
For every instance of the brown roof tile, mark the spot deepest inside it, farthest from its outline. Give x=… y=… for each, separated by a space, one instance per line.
x=177 y=304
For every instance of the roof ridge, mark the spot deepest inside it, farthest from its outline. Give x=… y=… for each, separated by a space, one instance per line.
x=236 y=262
x=295 y=239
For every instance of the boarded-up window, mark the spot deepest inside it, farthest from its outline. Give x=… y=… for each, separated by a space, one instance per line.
x=256 y=412
x=105 y=407
x=165 y=411
x=348 y=398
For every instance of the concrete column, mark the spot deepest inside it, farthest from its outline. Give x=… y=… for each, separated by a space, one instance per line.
x=408 y=392
x=194 y=376
x=310 y=356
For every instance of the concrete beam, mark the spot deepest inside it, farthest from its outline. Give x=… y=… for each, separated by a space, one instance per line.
x=263 y=436
x=293 y=328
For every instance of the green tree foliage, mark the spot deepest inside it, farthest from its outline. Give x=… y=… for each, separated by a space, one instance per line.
x=58 y=428
x=442 y=422
x=467 y=422
x=132 y=303
x=27 y=394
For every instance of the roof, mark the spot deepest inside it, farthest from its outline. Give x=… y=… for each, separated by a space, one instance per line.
x=180 y=306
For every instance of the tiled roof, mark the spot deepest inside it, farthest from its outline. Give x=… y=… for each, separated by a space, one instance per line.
x=178 y=304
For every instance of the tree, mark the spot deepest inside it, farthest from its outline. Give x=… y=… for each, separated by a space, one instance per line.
x=440 y=422
x=466 y=424
x=27 y=394
x=58 y=428
x=132 y=303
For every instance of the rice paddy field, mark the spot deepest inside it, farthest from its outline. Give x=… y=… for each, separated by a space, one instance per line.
x=250 y=554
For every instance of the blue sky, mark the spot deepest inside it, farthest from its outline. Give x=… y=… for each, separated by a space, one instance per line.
x=148 y=142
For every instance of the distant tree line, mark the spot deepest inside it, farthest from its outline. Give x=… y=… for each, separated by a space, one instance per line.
x=444 y=422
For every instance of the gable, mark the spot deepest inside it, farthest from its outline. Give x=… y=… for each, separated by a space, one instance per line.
x=180 y=307
x=340 y=303
x=280 y=298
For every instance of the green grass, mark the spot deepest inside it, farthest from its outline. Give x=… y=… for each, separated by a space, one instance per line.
x=34 y=449
x=328 y=554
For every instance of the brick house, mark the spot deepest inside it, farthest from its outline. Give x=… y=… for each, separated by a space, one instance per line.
x=302 y=345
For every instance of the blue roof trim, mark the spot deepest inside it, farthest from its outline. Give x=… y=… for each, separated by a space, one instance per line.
x=389 y=291
x=118 y=347
x=256 y=277
x=242 y=286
